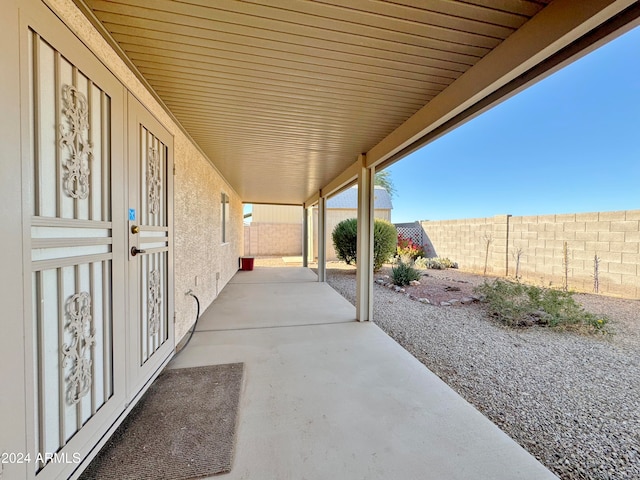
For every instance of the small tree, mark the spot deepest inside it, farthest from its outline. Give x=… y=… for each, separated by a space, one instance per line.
x=345 y=241
x=383 y=179
x=487 y=243
x=517 y=255
x=565 y=267
x=596 y=273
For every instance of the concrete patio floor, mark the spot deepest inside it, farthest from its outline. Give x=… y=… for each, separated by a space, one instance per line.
x=328 y=397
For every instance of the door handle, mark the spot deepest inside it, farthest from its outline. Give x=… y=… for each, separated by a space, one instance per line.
x=135 y=229
x=135 y=251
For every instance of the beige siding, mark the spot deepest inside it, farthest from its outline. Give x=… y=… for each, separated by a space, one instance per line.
x=277 y=214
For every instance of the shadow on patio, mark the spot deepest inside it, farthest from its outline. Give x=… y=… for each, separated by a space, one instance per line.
x=328 y=397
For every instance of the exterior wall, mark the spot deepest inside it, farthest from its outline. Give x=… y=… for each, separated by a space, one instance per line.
x=279 y=238
x=462 y=239
x=276 y=214
x=613 y=236
x=198 y=255
x=263 y=239
x=334 y=217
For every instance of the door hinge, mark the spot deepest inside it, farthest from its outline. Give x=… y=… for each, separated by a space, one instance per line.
x=174 y=317
x=174 y=168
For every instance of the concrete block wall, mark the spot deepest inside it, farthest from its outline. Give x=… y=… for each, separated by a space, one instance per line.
x=613 y=236
x=275 y=238
x=262 y=239
x=463 y=241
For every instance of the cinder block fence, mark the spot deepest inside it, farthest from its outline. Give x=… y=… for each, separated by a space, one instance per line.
x=264 y=239
x=614 y=237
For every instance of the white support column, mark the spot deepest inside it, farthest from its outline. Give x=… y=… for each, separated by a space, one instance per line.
x=364 y=272
x=322 y=239
x=310 y=233
x=305 y=237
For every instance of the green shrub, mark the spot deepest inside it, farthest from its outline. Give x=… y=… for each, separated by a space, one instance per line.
x=385 y=239
x=516 y=304
x=345 y=241
x=436 y=263
x=403 y=273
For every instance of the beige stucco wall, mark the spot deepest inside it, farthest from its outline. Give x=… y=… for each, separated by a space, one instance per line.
x=613 y=236
x=197 y=185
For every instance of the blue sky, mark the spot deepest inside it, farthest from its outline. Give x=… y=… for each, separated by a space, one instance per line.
x=570 y=143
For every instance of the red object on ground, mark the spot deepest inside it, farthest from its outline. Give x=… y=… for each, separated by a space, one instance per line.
x=247 y=263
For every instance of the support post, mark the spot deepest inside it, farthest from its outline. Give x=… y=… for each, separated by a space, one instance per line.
x=305 y=237
x=322 y=239
x=364 y=271
x=310 y=251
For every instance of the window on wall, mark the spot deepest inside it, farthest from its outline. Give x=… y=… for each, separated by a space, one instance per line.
x=224 y=217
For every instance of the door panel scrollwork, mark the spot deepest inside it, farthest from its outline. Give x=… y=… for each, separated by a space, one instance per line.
x=154 y=183
x=78 y=353
x=74 y=128
x=154 y=302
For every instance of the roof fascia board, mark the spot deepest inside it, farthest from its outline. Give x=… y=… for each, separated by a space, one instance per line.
x=340 y=183
x=615 y=27
x=312 y=200
x=343 y=181
x=555 y=27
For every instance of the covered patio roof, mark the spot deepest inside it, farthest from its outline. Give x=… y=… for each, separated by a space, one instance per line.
x=289 y=99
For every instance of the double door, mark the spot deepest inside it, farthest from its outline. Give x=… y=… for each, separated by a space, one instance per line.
x=97 y=203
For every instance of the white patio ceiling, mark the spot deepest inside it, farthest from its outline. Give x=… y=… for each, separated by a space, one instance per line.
x=283 y=95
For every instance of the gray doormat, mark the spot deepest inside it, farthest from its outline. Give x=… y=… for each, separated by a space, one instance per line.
x=183 y=427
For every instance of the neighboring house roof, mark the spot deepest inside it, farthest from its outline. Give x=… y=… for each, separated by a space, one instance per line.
x=349 y=199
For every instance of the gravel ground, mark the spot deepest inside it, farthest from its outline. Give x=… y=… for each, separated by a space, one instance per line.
x=571 y=400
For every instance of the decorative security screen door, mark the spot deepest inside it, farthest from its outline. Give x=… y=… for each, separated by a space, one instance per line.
x=150 y=244
x=75 y=245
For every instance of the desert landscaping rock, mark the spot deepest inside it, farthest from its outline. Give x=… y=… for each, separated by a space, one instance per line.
x=572 y=400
